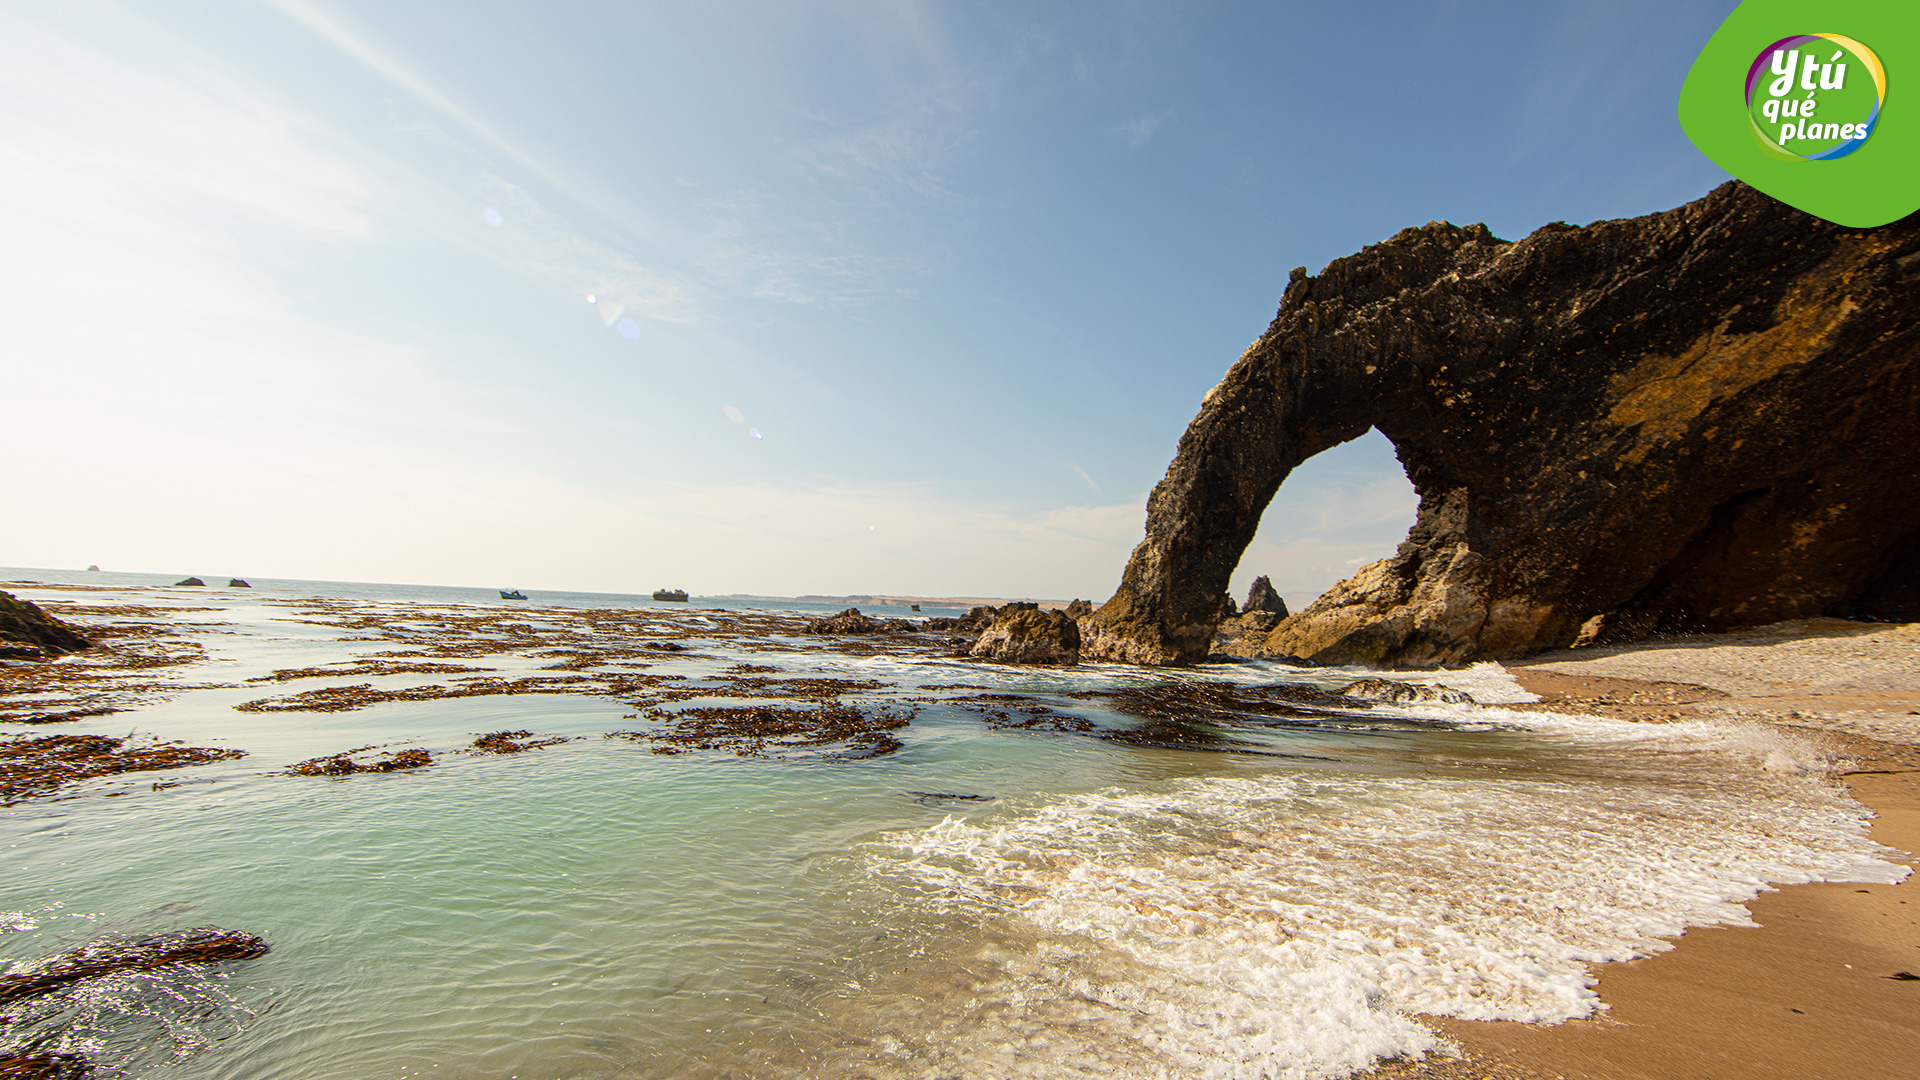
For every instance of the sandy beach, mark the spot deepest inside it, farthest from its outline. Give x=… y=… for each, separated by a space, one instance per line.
x=1823 y=986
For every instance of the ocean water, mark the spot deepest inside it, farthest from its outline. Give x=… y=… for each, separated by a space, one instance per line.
x=1280 y=899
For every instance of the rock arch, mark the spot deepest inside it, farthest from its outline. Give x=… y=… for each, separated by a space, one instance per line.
x=1694 y=420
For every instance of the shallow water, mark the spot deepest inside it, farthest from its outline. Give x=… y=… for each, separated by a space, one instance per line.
x=594 y=909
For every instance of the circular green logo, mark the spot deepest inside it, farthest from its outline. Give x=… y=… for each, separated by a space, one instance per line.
x=1814 y=97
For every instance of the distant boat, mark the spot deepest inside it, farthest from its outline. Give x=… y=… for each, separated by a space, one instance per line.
x=678 y=596
x=512 y=594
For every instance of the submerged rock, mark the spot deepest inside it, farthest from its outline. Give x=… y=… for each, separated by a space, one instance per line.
x=1024 y=634
x=1697 y=420
x=28 y=633
x=205 y=945
x=1401 y=693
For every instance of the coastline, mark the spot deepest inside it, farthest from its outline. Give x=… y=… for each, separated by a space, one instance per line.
x=1808 y=993
x=1813 y=990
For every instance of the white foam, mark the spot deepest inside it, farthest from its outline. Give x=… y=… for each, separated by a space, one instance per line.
x=1290 y=926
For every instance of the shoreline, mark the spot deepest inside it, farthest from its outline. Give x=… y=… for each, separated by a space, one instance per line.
x=1813 y=990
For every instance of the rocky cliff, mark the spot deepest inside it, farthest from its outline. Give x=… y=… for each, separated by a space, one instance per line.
x=1695 y=420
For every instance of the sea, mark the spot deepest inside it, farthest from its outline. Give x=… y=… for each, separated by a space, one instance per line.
x=1264 y=899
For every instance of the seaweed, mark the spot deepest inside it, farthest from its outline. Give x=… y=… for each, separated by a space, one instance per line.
x=344 y=765
x=36 y=765
x=765 y=730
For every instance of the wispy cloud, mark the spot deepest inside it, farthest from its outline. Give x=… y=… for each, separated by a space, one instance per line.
x=1140 y=130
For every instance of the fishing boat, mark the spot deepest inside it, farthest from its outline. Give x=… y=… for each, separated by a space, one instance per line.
x=678 y=596
x=512 y=594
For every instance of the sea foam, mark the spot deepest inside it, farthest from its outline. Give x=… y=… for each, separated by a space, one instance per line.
x=1294 y=926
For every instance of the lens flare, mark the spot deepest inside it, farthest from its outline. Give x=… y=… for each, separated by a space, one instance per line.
x=629 y=329
x=592 y=299
x=491 y=217
x=733 y=414
x=611 y=315
x=755 y=432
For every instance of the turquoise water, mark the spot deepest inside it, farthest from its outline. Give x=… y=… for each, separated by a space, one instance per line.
x=594 y=909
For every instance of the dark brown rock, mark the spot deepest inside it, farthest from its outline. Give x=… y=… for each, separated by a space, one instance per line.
x=1079 y=609
x=1023 y=634
x=1262 y=597
x=28 y=633
x=1696 y=420
x=190 y=581
x=849 y=621
x=238 y=583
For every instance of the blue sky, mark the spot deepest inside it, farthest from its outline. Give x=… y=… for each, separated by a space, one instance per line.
x=915 y=297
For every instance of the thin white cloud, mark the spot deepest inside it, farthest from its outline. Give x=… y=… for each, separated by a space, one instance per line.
x=1084 y=475
x=1140 y=130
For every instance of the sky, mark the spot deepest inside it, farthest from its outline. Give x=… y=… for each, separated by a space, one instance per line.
x=776 y=298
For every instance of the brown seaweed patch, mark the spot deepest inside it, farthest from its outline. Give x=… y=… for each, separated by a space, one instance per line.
x=1008 y=712
x=1223 y=703
x=368 y=667
x=34 y=765
x=205 y=945
x=514 y=742
x=344 y=764
x=361 y=695
x=825 y=688
x=58 y=718
x=766 y=731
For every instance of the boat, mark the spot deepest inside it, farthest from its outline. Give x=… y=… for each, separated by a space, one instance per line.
x=512 y=594
x=678 y=596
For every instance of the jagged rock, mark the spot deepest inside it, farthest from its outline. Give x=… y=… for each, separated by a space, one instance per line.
x=238 y=583
x=190 y=581
x=1401 y=693
x=849 y=621
x=28 y=633
x=1023 y=634
x=1079 y=609
x=1262 y=597
x=1696 y=420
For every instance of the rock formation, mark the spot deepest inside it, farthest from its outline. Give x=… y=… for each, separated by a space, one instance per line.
x=190 y=581
x=1696 y=420
x=28 y=633
x=1262 y=597
x=1023 y=634
x=851 y=621
x=238 y=583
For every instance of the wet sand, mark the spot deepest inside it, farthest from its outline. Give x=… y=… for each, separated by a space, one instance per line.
x=1815 y=990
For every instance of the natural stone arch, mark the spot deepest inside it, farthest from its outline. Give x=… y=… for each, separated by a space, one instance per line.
x=1698 y=419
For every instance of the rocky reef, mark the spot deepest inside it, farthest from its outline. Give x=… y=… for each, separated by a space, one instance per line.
x=28 y=633
x=1697 y=420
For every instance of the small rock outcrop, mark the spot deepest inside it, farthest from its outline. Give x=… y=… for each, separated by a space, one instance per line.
x=28 y=633
x=238 y=583
x=190 y=581
x=1697 y=420
x=851 y=621
x=1262 y=597
x=1023 y=634
x=1388 y=690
